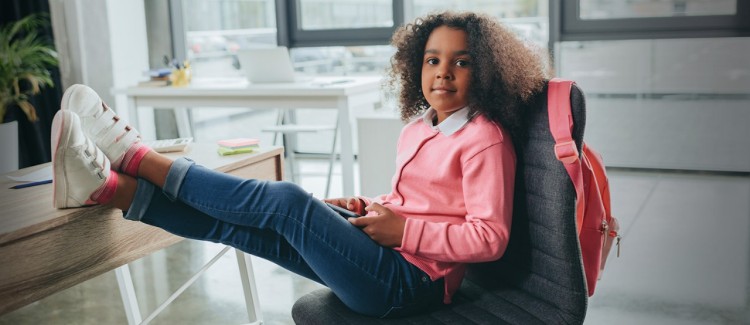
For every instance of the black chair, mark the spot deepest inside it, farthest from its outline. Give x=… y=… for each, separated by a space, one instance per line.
x=539 y=279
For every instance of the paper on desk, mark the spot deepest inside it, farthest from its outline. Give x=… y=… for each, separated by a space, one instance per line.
x=39 y=175
x=207 y=82
x=322 y=82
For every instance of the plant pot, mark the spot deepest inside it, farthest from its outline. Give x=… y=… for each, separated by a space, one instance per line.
x=9 y=146
x=32 y=147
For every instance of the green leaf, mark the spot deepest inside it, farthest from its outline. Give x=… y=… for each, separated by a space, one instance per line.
x=29 y=110
x=25 y=60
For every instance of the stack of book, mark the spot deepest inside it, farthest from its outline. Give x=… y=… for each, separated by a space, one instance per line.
x=157 y=78
x=236 y=146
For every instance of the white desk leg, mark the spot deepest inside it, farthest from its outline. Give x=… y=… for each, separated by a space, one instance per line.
x=347 y=152
x=290 y=145
x=160 y=275
x=127 y=292
x=182 y=117
x=248 y=285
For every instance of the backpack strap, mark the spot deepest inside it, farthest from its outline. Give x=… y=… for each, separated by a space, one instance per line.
x=561 y=126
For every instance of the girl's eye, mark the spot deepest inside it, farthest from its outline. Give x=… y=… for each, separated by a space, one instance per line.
x=432 y=61
x=462 y=63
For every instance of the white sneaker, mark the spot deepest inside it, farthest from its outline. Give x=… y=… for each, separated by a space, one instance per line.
x=79 y=167
x=100 y=123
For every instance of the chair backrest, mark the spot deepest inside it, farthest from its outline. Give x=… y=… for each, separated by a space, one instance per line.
x=543 y=258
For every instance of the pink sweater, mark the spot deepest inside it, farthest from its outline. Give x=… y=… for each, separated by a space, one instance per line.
x=456 y=193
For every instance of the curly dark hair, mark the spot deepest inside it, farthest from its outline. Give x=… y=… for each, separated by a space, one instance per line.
x=505 y=72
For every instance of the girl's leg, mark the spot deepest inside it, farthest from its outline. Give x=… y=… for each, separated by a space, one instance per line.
x=125 y=192
x=154 y=168
x=278 y=220
x=184 y=221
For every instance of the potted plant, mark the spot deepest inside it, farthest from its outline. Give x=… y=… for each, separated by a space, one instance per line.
x=24 y=62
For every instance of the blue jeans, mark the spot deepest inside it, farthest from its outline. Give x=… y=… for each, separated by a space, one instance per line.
x=282 y=223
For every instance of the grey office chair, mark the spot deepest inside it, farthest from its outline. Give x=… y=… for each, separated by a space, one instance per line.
x=284 y=129
x=539 y=279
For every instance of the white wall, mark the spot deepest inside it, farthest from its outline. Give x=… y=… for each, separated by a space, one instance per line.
x=377 y=138
x=102 y=44
x=128 y=44
x=673 y=103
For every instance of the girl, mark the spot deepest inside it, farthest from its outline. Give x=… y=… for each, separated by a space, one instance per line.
x=462 y=80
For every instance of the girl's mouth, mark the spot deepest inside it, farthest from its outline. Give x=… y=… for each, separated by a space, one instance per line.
x=442 y=89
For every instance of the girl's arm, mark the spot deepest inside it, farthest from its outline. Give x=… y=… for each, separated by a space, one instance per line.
x=488 y=182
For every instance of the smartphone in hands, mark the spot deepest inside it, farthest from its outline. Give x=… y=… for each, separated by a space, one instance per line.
x=343 y=212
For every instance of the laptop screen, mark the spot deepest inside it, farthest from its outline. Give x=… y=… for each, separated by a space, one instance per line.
x=266 y=65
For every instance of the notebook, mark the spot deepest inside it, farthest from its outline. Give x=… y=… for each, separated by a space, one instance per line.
x=266 y=65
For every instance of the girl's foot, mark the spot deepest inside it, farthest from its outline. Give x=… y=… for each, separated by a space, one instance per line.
x=81 y=172
x=118 y=140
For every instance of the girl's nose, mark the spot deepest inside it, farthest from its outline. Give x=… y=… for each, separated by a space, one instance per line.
x=443 y=73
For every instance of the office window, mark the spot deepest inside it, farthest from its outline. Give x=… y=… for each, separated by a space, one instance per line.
x=337 y=14
x=342 y=37
x=609 y=9
x=503 y=9
x=309 y=23
x=341 y=60
x=215 y=30
x=586 y=20
x=348 y=22
x=529 y=18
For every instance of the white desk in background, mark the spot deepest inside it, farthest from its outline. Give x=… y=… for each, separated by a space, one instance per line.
x=324 y=93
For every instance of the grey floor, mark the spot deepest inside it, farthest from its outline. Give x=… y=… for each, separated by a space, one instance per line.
x=684 y=260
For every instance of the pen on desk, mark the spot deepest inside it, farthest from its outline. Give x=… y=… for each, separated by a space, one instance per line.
x=30 y=184
x=343 y=81
x=335 y=82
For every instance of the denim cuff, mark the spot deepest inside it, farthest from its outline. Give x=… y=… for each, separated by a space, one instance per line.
x=175 y=176
x=144 y=191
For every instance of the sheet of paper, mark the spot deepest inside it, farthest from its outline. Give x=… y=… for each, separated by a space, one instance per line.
x=39 y=175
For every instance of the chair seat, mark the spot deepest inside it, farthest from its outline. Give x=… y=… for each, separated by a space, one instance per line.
x=472 y=304
x=298 y=128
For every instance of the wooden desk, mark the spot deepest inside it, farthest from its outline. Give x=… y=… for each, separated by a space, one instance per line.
x=360 y=93
x=44 y=250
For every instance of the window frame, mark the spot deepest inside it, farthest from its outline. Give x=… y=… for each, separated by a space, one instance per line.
x=290 y=34
x=573 y=28
x=179 y=35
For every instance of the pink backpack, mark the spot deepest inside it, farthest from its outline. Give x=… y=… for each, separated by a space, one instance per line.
x=597 y=228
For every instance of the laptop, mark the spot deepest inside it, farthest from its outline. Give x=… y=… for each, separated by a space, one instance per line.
x=266 y=65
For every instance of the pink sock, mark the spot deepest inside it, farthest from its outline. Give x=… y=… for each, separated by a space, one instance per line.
x=106 y=192
x=132 y=159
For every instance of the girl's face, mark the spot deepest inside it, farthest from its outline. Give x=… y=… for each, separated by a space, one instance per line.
x=446 y=71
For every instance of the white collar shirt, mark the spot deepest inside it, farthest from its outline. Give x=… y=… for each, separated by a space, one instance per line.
x=451 y=124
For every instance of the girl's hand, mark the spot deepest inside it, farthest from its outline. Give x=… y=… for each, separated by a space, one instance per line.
x=352 y=204
x=382 y=225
